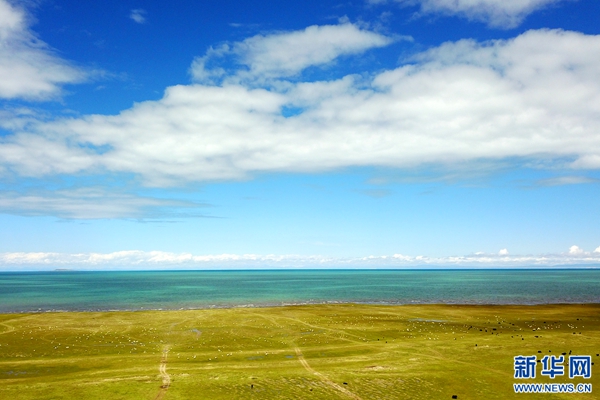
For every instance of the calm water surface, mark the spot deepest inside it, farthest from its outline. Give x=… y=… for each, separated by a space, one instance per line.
x=43 y=291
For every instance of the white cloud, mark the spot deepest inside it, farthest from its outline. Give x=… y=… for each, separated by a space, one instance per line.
x=287 y=53
x=535 y=97
x=11 y=19
x=86 y=203
x=28 y=67
x=567 y=180
x=597 y=250
x=503 y=252
x=202 y=71
x=496 y=13
x=135 y=259
x=146 y=259
x=590 y=161
x=575 y=250
x=138 y=15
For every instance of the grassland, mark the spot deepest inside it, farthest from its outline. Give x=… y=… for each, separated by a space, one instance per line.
x=298 y=352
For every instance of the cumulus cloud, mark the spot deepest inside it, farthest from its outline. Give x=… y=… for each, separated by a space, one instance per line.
x=496 y=13
x=138 y=15
x=534 y=97
x=285 y=54
x=575 y=250
x=204 y=70
x=503 y=252
x=29 y=69
x=135 y=259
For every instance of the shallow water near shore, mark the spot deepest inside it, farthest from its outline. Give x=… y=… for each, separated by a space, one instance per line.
x=83 y=291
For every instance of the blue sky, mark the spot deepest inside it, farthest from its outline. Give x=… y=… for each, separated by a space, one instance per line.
x=232 y=134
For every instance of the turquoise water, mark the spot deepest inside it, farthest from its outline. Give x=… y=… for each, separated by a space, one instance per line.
x=44 y=291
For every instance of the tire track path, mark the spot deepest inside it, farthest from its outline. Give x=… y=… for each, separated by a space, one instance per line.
x=322 y=377
x=9 y=328
x=166 y=378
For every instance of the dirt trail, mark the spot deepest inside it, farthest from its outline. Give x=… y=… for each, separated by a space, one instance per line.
x=166 y=378
x=10 y=328
x=323 y=378
x=344 y=333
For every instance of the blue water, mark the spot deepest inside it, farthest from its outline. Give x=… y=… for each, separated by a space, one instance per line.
x=45 y=291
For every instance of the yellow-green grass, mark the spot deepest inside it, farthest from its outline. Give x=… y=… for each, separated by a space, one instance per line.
x=299 y=352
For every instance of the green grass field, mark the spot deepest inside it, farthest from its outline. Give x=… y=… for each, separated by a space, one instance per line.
x=298 y=352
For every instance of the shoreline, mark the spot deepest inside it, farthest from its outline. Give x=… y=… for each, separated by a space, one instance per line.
x=300 y=304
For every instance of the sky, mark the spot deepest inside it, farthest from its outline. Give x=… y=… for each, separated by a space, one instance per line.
x=299 y=134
